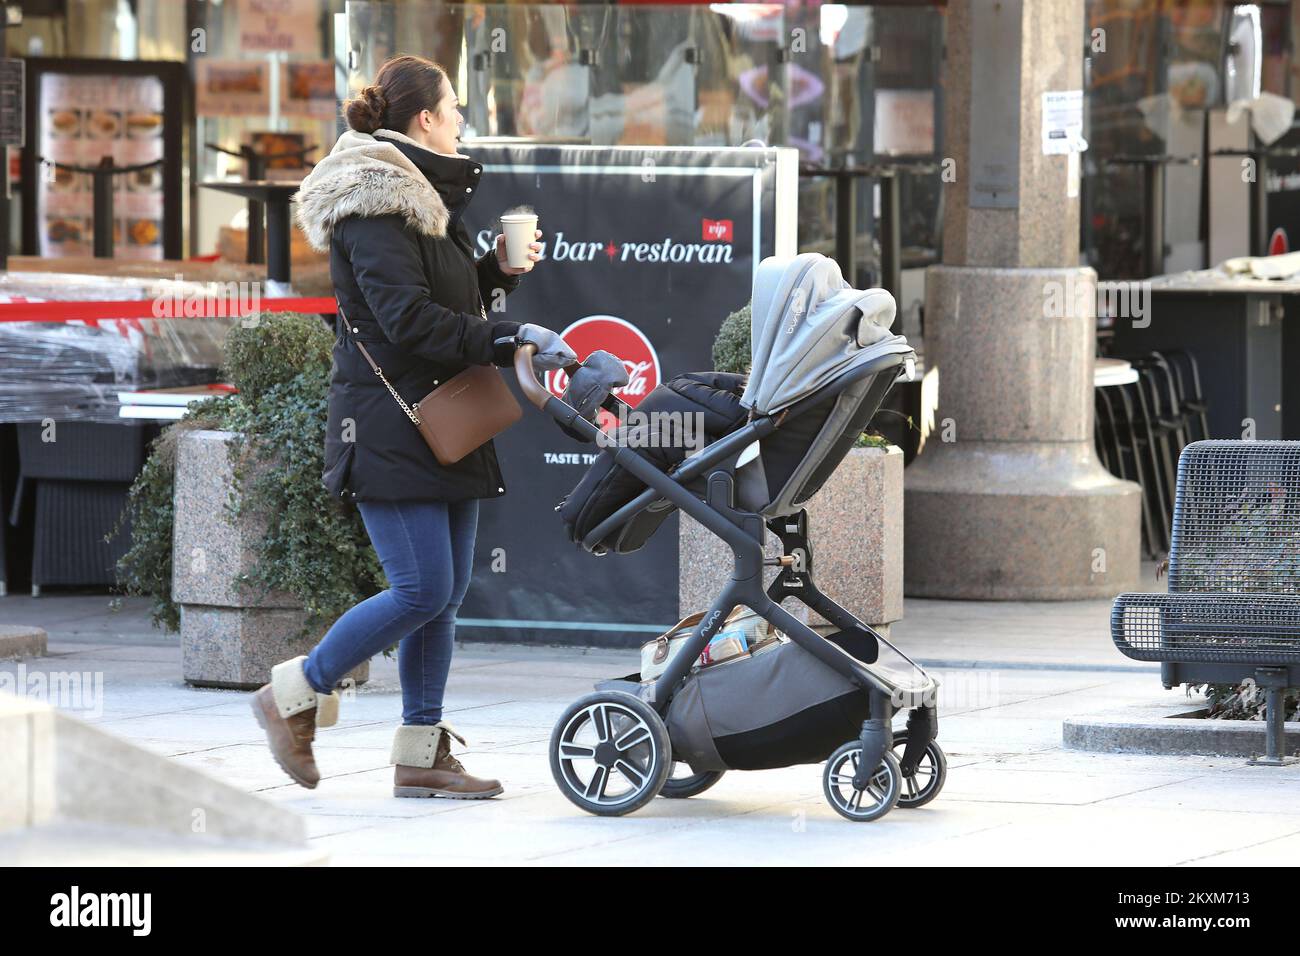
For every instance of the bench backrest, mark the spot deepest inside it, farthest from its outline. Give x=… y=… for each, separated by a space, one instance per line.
x=1237 y=518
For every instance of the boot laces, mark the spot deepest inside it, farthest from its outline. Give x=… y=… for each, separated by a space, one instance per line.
x=448 y=760
x=303 y=730
x=451 y=763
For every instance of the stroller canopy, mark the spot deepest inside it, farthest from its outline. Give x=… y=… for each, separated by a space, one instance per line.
x=809 y=327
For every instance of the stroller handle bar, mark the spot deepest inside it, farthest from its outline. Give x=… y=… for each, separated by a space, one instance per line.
x=534 y=390
x=561 y=411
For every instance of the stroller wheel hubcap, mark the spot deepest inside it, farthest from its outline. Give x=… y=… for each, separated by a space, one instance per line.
x=606 y=755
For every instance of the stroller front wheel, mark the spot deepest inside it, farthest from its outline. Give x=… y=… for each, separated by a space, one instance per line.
x=860 y=806
x=927 y=779
x=610 y=753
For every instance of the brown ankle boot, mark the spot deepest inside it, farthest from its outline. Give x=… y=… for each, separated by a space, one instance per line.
x=289 y=710
x=426 y=768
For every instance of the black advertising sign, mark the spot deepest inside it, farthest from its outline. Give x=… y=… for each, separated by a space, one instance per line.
x=647 y=250
x=79 y=112
x=1282 y=186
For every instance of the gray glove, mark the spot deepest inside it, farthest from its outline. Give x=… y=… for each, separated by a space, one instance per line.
x=552 y=353
x=600 y=374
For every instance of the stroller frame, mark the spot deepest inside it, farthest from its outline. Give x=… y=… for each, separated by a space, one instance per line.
x=845 y=650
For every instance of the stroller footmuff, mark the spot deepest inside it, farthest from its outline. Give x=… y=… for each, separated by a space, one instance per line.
x=823 y=360
x=687 y=412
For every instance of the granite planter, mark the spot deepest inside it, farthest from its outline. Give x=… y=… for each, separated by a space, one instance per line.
x=856 y=526
x=231 y=634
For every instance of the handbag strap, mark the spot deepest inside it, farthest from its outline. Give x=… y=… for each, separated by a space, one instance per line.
x=410 y=413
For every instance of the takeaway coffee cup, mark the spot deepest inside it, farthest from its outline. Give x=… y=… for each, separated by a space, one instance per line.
x=520 y=229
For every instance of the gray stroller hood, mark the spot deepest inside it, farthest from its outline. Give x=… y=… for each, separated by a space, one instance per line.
x=809 y=328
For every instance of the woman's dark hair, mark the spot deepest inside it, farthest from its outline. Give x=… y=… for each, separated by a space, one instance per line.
x=403 y=87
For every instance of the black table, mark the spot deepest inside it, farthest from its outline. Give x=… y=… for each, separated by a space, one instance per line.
x=274 y=197
x=891 y=243
x=1154 y=248
x=1244 y=336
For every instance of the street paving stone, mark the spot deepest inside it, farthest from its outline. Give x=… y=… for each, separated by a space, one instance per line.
x=1010 y=673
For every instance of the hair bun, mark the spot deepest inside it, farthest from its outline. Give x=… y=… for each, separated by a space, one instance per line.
x=365 y=113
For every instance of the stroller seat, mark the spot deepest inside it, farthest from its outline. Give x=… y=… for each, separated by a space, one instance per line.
x=810 y=439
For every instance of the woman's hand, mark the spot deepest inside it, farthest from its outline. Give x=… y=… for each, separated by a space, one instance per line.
x=534 y=254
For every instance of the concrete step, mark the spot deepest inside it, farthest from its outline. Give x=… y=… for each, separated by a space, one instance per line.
x=19 y=641
x=80 y=795
x=72 y=843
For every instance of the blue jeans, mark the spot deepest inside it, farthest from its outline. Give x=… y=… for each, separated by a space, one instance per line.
x=427 y=550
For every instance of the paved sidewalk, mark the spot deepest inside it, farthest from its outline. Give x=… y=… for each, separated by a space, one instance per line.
x=1010 y=674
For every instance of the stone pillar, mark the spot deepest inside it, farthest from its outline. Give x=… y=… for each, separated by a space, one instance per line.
x=1008 y=500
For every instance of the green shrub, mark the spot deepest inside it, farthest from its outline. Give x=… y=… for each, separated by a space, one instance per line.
x=731 y=348
x=868 y=440
x=274 y=350
x=314 y=547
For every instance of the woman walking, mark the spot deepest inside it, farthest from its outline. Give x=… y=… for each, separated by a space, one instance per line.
x=387 y=204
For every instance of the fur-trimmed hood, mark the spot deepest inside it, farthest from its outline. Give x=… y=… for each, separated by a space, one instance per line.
x=366 y=175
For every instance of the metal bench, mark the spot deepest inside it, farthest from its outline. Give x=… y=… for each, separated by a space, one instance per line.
x=1233 y=609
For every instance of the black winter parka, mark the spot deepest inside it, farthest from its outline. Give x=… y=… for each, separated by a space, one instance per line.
x=409 y=287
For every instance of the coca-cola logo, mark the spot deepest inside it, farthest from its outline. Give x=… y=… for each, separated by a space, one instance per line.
x=618 y=337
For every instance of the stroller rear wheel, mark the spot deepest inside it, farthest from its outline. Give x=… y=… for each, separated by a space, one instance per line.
x=610 y=753
x=860 y=806
x=931 y=773
x=688 y=784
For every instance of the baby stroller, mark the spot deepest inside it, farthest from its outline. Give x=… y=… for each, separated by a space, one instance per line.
x=823 y=360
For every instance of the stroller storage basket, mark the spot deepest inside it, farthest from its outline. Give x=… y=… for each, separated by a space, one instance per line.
x=774 y=709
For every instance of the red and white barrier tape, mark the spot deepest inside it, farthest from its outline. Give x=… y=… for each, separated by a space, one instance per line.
x=113 y=309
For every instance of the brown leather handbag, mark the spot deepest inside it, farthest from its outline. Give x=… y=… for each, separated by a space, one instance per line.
x=463 y=413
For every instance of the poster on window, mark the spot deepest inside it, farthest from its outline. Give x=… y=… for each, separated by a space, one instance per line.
x=307 y=89
x=84 y=118
x=279 y=26
x=647 y=250
x=231 y=87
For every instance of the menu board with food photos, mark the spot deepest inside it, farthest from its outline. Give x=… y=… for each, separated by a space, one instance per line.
x=307 y=89
x=284 y=152
x=80 y=117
